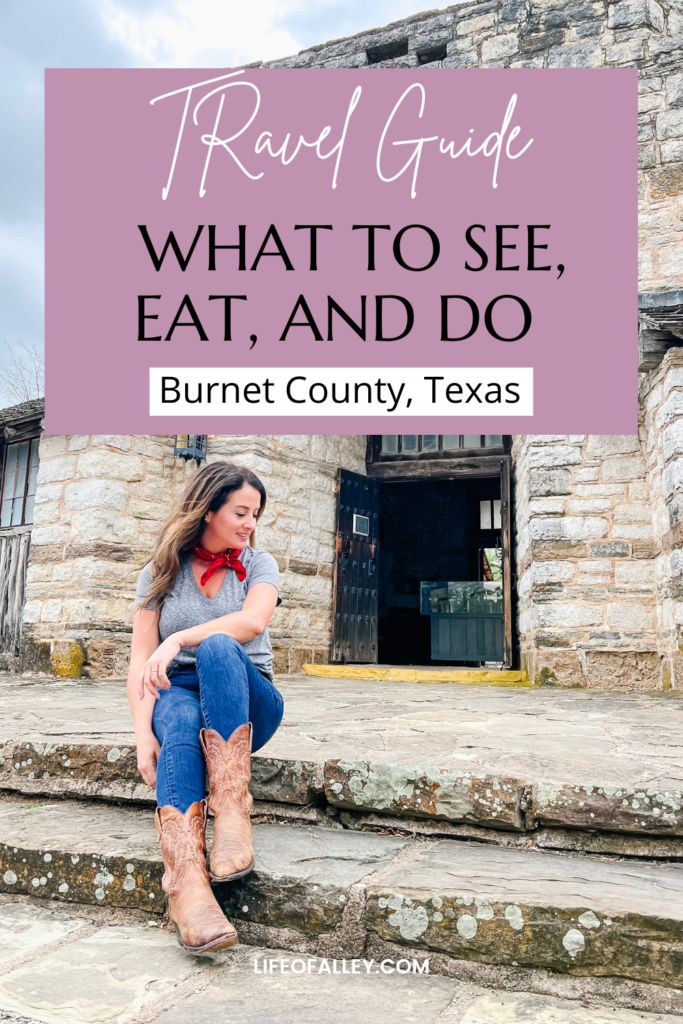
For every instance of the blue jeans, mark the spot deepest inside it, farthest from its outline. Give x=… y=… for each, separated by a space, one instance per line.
x=223 y=691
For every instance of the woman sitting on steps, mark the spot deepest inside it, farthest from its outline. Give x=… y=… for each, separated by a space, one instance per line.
x=201 y=690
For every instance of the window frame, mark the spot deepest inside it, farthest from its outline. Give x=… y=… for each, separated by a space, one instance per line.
x=375 y=453
x=14 y=435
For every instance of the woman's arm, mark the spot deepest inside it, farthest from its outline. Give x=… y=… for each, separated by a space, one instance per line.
x=249 y=622
x=144 y=643
x=244 y=625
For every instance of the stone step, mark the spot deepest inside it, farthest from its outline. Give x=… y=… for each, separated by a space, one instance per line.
x=335 y=890
x=414 y=674
x=497 y=760
x=61 y=967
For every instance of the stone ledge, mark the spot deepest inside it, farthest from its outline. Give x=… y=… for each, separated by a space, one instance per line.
x=576 y=759
x=417 y=792
x=470 y=902
x=103 y=965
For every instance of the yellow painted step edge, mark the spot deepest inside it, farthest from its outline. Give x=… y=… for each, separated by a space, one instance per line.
x=466 y=677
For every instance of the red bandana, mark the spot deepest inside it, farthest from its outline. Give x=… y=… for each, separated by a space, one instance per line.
x=228 y=559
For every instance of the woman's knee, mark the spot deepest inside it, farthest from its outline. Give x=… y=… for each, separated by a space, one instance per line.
x=220 y=644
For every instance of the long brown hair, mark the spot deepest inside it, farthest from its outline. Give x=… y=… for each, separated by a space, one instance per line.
x=208 y=491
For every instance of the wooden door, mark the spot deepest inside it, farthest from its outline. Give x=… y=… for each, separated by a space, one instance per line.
x=506 y=544
x=356 y=569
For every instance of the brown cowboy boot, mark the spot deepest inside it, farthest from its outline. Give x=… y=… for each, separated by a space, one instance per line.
x=201 y=924
x=228 y=763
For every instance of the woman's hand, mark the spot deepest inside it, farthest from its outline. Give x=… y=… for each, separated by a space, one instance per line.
x=154 y=672
x=148 y=755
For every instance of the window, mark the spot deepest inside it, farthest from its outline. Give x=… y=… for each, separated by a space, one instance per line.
x=19 y=476
x=416 y=444
x=489 y=514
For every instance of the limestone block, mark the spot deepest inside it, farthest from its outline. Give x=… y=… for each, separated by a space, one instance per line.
x=572 y=528
x=632 y=13
x=576 y=55
x=631 y=616
x=62 y=572
x=308 y=589
x=588 y=506
x=99 y=570
x=39 y=573
x=256 y=463
x=600 y=490
x=671 y=258
x=588 y=474
x=638 y=491
x=626 y=467
x=31 y=612
x=672 y=440
x=545 y=506
x=628 y=531
x=553 y=455
x=142 y=508
x=672 y=477
x=61 y=467
x=670 y=124
x=49 y=494
x=51 y=445
x=630 y=51
x=304 y=548
x=95 y=494
x=648 y=102
x=76 y=442
x=632 y=512
x=67 y=658
x=639 y=572
x=543 y=483
x=671 y=152
x=89 y=525
x=110 y=465
x=473 y=26
x=618 y=444
x=568 y=616
x=51 y=611
x=124 y=442
x=499 y=47
x=551 y=572
x=49 y=535
x=105 y=611
x=48 y=512
x=599 y=566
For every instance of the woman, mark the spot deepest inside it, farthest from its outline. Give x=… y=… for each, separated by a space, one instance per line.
x=201 y=690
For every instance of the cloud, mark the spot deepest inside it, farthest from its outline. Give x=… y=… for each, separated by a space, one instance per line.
x=35 y=34
x=210 y=33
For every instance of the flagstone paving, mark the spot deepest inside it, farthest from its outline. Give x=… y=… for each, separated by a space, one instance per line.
x=65 y=967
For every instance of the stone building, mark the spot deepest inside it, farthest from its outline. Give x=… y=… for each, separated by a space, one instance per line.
x=589 y=528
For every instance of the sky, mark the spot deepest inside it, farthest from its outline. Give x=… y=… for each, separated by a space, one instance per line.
x=35 y=34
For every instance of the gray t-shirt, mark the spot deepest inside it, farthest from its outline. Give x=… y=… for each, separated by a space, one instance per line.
x=186 y=606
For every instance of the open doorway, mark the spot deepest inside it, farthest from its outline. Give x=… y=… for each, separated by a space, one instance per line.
x=440 y=594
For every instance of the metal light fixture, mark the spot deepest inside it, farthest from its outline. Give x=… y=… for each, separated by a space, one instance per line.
x=190 y=446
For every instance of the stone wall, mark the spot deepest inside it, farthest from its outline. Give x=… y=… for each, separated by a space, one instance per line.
x=100 y=504
x=647 y=34
x=298 y=527
x=585 y=553
x=662 y=401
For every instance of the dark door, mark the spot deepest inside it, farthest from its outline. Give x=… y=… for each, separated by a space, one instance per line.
x=355 y=571
x=506 y=544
